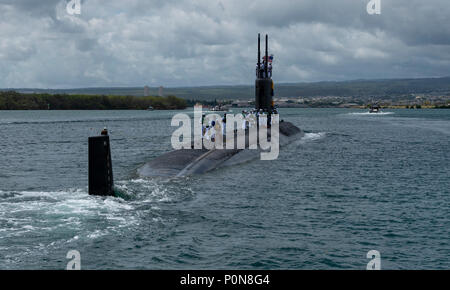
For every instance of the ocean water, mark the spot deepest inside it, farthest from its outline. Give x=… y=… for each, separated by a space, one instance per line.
x=355 y=182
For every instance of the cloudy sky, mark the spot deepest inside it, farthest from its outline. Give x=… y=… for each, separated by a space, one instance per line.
x=213 y=42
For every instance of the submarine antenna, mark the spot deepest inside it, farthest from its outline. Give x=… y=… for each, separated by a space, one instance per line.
x=267 y=56
x=100 y=166
x=259 y=56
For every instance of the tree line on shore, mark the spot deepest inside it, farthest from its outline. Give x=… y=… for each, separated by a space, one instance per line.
x=12 y=100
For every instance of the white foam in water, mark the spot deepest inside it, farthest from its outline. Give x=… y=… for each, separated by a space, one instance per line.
x=151 y=190
x=313 y=136
x=97 y=234
x=62 y=218
x=308 y=137
x=60 y=210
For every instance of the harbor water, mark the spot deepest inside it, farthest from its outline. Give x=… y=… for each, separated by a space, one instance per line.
x=355 y=182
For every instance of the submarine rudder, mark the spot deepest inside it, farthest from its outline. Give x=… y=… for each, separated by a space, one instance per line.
x=100 y=172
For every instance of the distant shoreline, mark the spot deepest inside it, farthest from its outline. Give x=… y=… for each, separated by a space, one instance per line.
x=362 y=89
x=12 y=100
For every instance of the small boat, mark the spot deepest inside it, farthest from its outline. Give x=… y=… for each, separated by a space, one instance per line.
x=374 y=109
x=150 y=108
x=219 y=109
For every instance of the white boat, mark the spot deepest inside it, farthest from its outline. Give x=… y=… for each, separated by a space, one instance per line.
x=219 y=109
x=374 y=109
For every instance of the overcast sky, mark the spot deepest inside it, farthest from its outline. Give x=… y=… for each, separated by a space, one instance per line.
x=209 y=42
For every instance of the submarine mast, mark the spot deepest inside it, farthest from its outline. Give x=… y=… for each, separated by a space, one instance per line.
x=263 y=82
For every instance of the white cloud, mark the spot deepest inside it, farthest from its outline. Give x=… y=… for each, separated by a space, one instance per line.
x=206 y=42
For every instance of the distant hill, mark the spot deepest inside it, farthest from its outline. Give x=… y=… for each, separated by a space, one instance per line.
x=358 y=88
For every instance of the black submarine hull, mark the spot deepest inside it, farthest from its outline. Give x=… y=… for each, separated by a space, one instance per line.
x=185 y=162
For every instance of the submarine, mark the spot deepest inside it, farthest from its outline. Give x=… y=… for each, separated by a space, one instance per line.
x=191 y=161
x=184 y=162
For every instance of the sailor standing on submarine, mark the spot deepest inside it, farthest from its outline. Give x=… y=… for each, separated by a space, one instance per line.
x=263 y=68
x=213 y=131
x=224 y=125
x=270 y=66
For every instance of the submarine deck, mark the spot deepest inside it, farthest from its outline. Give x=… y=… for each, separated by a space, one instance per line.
x=184 y=162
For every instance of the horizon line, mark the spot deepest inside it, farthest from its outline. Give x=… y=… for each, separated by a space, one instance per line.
x=218 y=85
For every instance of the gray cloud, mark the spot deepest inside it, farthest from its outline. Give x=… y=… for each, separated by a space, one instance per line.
x=206 y=42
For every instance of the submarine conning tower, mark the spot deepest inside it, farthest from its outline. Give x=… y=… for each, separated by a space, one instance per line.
x=264 y=83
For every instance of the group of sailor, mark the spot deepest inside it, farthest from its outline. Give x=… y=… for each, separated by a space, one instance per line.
x=264 y=118
x=252 y=118
x=263 y=64
x=210 y=128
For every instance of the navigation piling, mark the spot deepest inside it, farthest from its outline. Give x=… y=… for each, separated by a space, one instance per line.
x=100 y=166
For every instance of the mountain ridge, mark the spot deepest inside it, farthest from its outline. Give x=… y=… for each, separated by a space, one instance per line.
x=360 y=88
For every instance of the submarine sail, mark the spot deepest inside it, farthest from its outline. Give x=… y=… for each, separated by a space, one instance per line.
x=263 y=82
